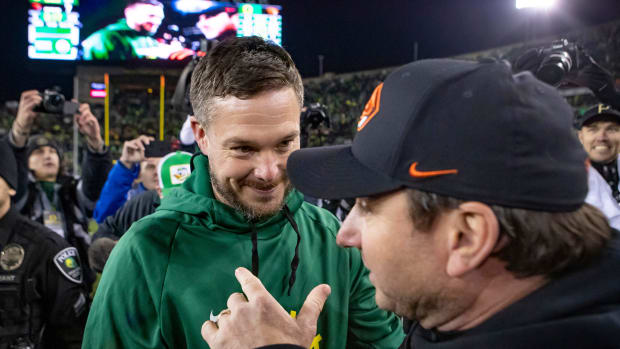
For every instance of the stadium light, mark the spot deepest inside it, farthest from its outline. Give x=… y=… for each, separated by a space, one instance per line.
x=546 y=4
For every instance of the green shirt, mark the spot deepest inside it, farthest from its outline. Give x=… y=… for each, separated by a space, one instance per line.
x=174 y=268
x=118 y=41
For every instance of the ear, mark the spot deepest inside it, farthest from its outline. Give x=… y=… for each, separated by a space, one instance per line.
x=580 y=135
x=200 y=134
x=475 y=235
x=12 y=192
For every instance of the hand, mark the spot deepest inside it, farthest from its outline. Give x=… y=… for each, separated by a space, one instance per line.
x=89 y=127
x=529 y=61
x=181 y=54
x=259 y=320
x=133 y=151
x=597 y=79
x=25 y=116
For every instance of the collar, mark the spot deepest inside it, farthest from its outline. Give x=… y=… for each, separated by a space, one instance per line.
x=196 y=197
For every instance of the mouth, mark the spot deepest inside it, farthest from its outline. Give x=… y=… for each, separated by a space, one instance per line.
x=601 y=147
x=263 y=190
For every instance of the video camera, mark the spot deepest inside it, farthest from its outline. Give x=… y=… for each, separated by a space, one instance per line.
x=55 y=103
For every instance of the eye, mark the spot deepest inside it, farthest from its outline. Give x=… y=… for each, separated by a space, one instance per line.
x=242 y=149
x=284 y=145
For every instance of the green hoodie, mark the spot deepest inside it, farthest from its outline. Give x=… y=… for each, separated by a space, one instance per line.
x=174 y=268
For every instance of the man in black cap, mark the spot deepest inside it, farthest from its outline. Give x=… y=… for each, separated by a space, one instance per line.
x=470 y=216
x=44 y=193
x=43 y=301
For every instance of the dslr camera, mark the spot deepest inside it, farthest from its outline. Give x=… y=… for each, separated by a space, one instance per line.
x=55 y=103
x=558 y=60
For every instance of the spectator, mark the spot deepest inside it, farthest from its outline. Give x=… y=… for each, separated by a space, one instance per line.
x=599 y=133
x=43 y=300
x=173 y=171
x=237 y=207
x=470 y=215
x=133 y=174
x=45 y=194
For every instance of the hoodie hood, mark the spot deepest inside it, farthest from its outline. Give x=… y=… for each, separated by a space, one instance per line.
x=195 y=197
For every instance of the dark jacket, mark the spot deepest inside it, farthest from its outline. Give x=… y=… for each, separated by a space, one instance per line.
x=42 y=300
x=74 y=198
x=579 y=310
x=139 y=206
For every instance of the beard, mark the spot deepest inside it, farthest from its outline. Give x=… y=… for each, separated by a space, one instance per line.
x=251 y=211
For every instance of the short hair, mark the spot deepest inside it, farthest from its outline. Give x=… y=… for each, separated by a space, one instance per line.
x=539 y=242
x=241 y=67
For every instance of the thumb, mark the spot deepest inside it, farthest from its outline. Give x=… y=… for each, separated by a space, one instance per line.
x=310 y=311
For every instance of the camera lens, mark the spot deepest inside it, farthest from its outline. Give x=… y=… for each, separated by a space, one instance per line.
x=555 y=67
x=56 y=100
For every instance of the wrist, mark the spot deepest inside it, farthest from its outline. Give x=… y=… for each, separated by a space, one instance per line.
x=95 y=144
x=127 y=164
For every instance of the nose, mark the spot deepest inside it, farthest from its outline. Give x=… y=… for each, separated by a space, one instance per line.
x=47 y=154
x=349 y=234
x=268 y=167
x=601 y=135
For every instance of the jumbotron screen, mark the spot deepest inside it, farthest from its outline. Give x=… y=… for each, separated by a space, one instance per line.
x=122 y=30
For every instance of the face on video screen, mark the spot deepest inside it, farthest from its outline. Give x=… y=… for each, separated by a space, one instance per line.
x=141 y=30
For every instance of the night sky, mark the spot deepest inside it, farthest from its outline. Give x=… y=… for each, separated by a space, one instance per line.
x=352 y=35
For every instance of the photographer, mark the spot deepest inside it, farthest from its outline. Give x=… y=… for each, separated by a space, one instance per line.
x=45 y=194
x=566 y=62
x=133 y=174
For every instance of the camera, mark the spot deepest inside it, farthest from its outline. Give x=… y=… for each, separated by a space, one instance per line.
x=314 y=115
x=558 y=60
x=55 y=103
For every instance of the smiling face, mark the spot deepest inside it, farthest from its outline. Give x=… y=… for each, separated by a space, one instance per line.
x=601 y=140
x=44 y=163
x=248 y=142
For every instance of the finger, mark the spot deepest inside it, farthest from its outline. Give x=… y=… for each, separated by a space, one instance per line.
x=145 y=139
x=84 y=107
x=36 y=98
x=310 y=311
x=250 y=284
x=209 y=331
x=235 y=300
x=28 y=94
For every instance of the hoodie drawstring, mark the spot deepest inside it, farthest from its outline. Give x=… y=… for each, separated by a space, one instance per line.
x=254 y=251
x=295 y=261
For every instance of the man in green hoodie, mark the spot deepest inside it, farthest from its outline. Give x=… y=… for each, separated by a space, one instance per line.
x=174 y=269
x=130 y=37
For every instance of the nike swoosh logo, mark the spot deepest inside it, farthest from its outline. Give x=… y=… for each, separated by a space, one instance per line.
x=415 y=173
x=212 y=317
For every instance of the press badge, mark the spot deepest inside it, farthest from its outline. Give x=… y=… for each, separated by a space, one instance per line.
x=53 y=221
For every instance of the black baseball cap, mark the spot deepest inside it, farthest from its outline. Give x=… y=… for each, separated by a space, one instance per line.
x=472 y=131
x=597 y=113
